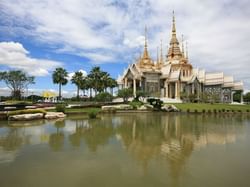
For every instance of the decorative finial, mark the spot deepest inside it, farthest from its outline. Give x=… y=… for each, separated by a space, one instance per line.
x=145 y=53
x=187 y=50
x=173 y=28
x=161 y=58
x=182 y=46
x=157 y=58
x=146 y=37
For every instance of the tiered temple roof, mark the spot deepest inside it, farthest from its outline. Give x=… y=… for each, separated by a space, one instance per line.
x=176 y=66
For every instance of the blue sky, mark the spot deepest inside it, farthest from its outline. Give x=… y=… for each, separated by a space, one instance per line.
x=38 y=36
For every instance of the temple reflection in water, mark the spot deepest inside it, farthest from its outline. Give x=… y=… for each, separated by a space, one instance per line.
x=168 y=140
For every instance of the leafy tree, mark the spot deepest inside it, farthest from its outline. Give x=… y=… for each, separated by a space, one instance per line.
x=77 y=79
x=100 y=80
x=125 y=93
x=184 y=96
x=247 y=97
x=60 y=77
x=84 y=84
x=104 y=97
x=237 y=96
x=95 y=77
x=112 y=84
x=17 y=81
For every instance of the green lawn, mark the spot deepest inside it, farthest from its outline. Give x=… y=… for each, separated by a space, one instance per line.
x=206 y=106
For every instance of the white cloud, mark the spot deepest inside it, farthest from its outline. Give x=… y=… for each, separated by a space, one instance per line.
x=15 y=56
x=70 y=75
x=4 y=91
x=111 y=31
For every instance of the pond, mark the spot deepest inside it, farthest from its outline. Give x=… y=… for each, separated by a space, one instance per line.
x=135 y=150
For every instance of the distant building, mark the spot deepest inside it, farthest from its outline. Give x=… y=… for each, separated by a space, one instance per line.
x=174 y=76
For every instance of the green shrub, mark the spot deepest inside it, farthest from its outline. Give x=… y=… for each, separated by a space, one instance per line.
x=125 y=93
x=219 y=111
x=239 y=110
x=203 y=110
x=156 y=103
x=228 y=110
x=209 y=111
x=140 y=94
x=60 y=108
x=136 y=104
x=188 y=110
x=232 y=110
x=196 y=111
x=247 y=110
x=104 y=97
x=92 y=113
x=223 y=110
x=27 y=111
x=215 y=111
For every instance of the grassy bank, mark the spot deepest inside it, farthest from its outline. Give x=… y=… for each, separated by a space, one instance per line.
x=204 y=106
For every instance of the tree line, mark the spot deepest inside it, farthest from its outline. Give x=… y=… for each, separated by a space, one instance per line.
x=96 y=81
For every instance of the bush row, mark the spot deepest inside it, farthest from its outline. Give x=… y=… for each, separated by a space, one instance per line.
x=216 y=111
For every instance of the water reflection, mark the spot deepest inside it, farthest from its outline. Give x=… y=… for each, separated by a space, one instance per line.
x=56 y=140
x=146 y=138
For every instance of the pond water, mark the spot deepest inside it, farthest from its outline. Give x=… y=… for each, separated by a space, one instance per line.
x=135 y=150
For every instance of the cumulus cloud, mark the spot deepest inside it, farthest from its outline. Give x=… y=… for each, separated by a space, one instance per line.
x=14 y=55
x=71 y=74
x=112 y=31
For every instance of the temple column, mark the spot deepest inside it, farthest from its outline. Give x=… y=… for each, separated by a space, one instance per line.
x=170 y=91
x=176 y=90
x=126 y=83
x=232 y=96
x=134 y=87
x=241 y=97
x=166 y=89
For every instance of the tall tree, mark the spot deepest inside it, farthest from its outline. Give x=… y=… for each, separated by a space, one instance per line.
x=112 y=84
x=100 y=80
x=17 y=81
x=60 y=77
x=77 y=79
x=95 y=77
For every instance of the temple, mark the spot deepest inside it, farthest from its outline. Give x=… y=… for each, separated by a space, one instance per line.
x=174 y=77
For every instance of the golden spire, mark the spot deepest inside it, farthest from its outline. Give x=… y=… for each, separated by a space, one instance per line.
x=187 y=50
x=182 y=46
x=157 y=58
x=174 y=51
x=161 y=57
x=145 y=53
x=173 y=26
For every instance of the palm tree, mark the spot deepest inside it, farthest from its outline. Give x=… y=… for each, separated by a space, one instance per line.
x=60 y=77
x=77 y=79
x=84 y=84
x=95 y=76
x=112 y=84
